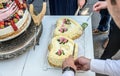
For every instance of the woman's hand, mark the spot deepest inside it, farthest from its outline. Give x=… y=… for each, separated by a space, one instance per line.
x=81 y=3
x=99 y=5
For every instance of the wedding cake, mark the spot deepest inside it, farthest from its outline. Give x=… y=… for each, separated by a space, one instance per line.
x=59 y=49
x=14 y=18
x=68 y=27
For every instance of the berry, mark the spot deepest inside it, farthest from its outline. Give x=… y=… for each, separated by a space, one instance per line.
x=1 y=6
x=24 y=5
x=1 y=26
x=17 y=16
x=15 y=20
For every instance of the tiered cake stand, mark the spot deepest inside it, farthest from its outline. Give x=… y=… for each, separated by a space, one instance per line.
x=20 y=44
x=29 y=38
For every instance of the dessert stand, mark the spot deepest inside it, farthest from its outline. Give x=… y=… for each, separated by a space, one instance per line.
x=25 y=41
x=20 y=44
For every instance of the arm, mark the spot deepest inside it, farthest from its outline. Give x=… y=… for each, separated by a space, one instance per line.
x=109 y=67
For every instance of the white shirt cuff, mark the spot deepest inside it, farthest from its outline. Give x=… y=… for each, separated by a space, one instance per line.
x=97 y=66
x=68 y=73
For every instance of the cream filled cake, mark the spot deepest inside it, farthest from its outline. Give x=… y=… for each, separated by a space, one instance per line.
x=59 y=49
x=68 y=27
x=14 y=18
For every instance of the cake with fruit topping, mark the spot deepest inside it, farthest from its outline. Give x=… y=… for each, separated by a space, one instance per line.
x=14 y=18
x=59 y=49
x=68 y=27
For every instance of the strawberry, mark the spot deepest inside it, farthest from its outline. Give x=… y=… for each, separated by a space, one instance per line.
x=17 y=16
x=21 y=6
x=18 y=3
x=2 y=23
x=1 y=26
x=24 y=5
x=8 y=5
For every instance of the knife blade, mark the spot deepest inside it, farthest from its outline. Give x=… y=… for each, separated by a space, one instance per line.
x=77 y=11
x=90 y=16
x=35 y=37
x=73 y=50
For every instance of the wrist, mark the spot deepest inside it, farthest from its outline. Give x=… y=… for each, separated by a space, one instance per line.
x=68 y=68
x=88 y=65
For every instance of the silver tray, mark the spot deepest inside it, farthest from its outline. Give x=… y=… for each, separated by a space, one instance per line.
x=20 y=44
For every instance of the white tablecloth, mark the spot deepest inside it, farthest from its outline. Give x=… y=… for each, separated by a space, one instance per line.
x=34 y=63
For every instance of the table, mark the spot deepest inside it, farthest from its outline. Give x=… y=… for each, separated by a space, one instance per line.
x=34 y=62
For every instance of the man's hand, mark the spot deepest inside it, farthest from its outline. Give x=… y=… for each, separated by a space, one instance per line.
x=81 y=3
x=69 y=62
x=99 y=5
x=82 y=63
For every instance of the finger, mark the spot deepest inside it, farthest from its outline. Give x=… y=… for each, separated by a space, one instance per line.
x=96 y=4
x=77 y=60
x=97 y=9
x=79 y=68
x=76 y=63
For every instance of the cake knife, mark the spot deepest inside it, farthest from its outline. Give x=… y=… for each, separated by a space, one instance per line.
x=73 y=50
x=77 y=11
x=90 y=16
x=37 y=19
